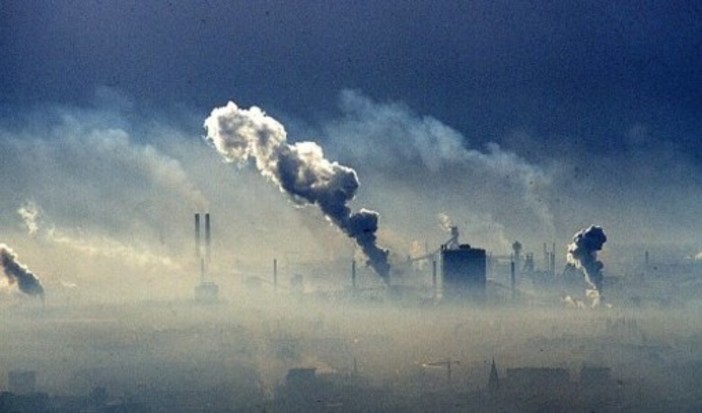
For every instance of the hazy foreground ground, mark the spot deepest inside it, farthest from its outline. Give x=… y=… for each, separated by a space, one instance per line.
x=235 y=354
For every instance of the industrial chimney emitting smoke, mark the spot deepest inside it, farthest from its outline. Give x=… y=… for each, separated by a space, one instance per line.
x=206 y=290
x=298 y=169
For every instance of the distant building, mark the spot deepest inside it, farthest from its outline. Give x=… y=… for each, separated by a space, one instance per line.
x=21 y=382
x=594 y=375
x=300 y=377
x=537 y=377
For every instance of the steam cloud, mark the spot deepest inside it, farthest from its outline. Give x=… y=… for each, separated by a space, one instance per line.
x=27 y=282
x=299 y=169
x=582 y=253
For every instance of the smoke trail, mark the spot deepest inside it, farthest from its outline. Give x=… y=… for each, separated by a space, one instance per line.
x=299 y=169
x=41 y=227
x=30 y=217
x=582 y=253
x=27 y=282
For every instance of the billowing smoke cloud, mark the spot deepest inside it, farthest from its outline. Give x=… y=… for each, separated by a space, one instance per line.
x=299 y=169
x=27 y=282
x=582 y=253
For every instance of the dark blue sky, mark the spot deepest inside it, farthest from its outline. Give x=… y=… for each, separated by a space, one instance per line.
x=560 y=71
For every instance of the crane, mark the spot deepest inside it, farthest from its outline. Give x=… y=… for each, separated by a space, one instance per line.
x=448 y=362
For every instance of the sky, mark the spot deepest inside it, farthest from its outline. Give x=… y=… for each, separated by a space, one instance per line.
x=519 y=120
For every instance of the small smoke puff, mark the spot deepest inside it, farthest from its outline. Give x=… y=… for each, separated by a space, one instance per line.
x=30 y=217
x=445 y=221
x=27 y=282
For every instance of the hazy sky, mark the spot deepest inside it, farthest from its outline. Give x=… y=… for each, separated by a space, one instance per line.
x=557 y=70
x=518 y=119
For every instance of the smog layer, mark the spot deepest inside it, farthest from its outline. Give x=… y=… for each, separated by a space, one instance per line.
x=269 y=293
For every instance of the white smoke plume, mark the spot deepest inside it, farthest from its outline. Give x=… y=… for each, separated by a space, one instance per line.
x=30 y=217
x=148 y=160
x=409 y=148
x=298 y=169
x=102 y=246
x=582 y=253
x=27 y=282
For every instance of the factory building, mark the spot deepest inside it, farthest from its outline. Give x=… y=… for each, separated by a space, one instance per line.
x=21 y=382
x=463 y=273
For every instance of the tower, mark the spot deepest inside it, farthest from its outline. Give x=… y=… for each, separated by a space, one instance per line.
x=494 y=380
x=464 y=272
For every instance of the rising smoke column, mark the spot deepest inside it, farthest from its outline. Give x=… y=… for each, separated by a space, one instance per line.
x=299 y=169
x=27 y=282
x=582 y=253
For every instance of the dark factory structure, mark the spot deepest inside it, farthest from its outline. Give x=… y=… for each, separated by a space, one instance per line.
x=464 y=272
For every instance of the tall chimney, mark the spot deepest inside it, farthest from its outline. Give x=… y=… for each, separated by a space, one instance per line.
x=275 y=274
x=553 y=263
x=353 y=274
x=197 y=236
x=553 y=259
x=512 y=280
x=207 y=237
x=547 y=259
x=434 y=286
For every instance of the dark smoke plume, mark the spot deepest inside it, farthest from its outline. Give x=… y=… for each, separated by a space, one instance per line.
x=27 y=282
x=299 y=169
x=582 y=253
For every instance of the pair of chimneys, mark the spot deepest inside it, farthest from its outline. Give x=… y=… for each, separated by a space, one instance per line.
x=202 y=258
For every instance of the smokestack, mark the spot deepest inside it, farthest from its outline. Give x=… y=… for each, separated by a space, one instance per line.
x=300 y=170
x=434 y=285
x=547 y=259
x=553 y=264
x=512 y=280
x=15 y=271
x=353 y=274
x=553 y=259
x=207 y=237
x=275 y=274
x=197 y=236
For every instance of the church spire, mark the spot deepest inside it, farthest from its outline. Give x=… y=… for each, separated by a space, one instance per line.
x=494 y=381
